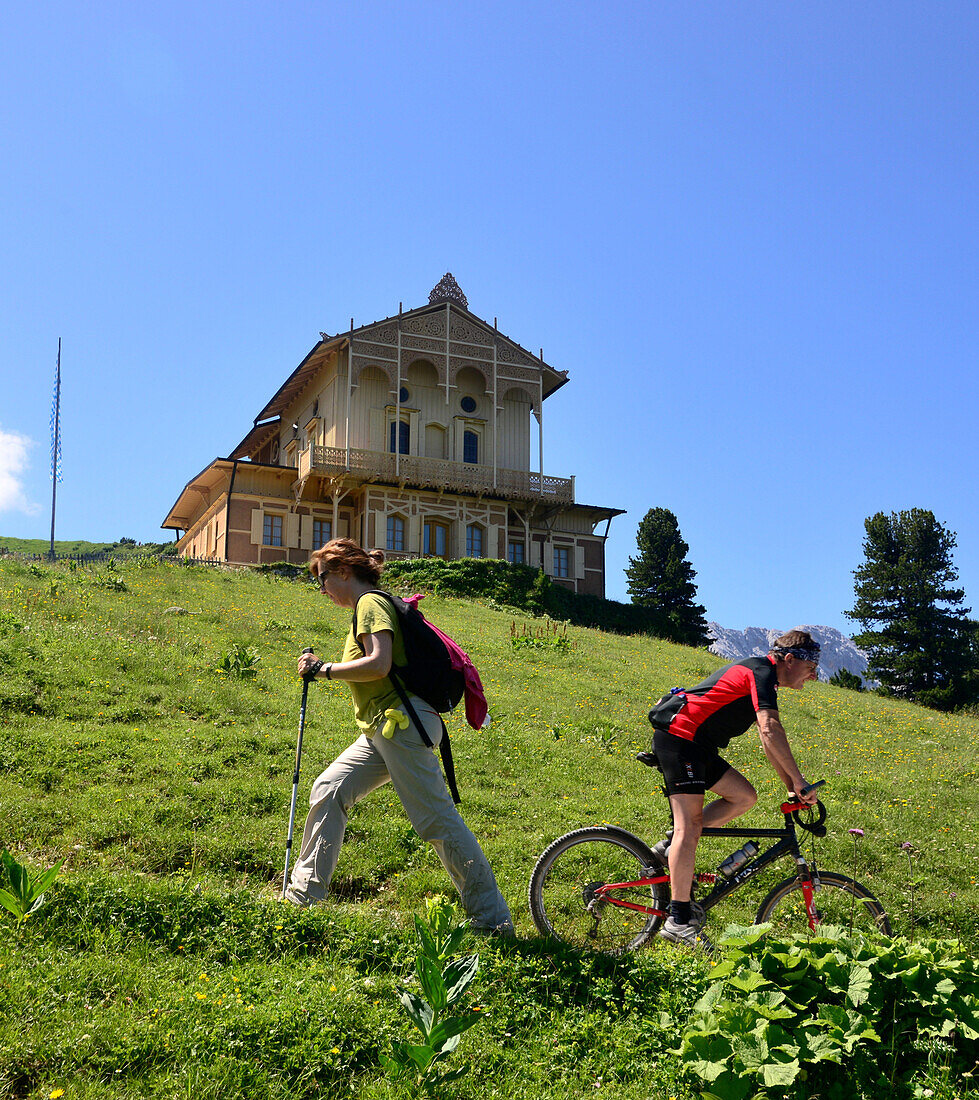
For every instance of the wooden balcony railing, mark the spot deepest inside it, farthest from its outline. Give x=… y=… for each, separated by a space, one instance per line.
x=460 y=477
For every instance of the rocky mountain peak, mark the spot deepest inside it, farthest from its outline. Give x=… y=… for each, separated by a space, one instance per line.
x=837 y=650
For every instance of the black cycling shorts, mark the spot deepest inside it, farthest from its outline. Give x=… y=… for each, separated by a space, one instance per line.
x=687 y=768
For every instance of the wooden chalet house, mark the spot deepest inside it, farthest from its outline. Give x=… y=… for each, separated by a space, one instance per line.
x=412 y=434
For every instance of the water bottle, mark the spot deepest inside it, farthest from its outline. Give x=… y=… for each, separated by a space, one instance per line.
x=738 y=859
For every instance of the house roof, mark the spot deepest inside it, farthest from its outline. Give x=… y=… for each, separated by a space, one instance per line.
x=302 y=375
x=256 y=439
x=187 y=507
x=599 y=513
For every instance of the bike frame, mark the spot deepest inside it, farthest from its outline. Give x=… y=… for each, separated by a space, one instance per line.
x=787 y=845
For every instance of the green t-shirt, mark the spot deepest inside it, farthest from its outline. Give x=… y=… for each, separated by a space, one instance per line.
x=372 y=699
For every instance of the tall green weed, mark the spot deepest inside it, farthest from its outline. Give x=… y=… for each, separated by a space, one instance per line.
x=436 y=1012
x=24 y=894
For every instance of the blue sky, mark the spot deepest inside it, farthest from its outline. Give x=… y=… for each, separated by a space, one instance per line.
x=747 y=230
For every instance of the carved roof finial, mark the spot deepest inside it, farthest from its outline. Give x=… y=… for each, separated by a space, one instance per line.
x=447 y=290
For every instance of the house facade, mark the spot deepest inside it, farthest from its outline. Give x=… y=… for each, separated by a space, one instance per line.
x=414 y=434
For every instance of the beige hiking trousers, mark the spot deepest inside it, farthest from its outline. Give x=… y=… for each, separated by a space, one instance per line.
x=413 y=769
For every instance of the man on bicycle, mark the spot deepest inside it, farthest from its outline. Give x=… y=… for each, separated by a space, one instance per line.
x=691 y=727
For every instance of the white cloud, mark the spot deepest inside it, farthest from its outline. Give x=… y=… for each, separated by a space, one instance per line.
x=13 y=466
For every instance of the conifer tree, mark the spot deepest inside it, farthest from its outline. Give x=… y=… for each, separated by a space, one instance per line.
x=916 y=633
x=844 y=678
x=661 y=578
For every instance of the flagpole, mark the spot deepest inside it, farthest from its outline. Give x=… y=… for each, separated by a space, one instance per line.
x=55 y=444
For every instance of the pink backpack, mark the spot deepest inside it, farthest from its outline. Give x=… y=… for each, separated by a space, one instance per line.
x=477 y=710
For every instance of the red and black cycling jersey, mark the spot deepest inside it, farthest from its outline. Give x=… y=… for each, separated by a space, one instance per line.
x=725 y=705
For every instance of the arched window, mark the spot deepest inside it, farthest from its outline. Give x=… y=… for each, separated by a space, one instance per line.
x=474 y=541
x=422 y=373
x=434 y=441
x=396 y=533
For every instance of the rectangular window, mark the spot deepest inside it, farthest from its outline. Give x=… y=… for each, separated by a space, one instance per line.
x=400 y=430
x=561 y=561
x=436 y=539
x=272 y=530
x=474 y=541
x=515 y=552
x=396 y=533
x=322 y=532
x=470 y=447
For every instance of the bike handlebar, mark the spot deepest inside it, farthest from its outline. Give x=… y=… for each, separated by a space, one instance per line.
x=793 y=804
x=795 y=807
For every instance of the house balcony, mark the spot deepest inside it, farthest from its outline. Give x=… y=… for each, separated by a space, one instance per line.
x=435 y=473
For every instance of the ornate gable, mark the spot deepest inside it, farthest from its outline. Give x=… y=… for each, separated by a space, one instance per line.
x=448 y=335
x=445 y=333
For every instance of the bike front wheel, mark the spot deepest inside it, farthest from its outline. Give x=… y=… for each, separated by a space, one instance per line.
x=563 y=888
x=839 y=901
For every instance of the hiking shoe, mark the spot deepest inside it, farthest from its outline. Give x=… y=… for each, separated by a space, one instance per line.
x=661 y=849
x=686 y=934
x=501 y=931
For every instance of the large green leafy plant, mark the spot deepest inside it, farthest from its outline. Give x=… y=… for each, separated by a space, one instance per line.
x=240 y=662
x=784 y=1014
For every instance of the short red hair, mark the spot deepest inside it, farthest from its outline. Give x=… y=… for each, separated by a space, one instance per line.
x=366 y=566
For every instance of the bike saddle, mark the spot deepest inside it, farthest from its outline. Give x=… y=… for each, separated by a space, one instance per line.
x=647 y=758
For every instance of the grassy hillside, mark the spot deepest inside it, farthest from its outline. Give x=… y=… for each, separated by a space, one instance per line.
x=161 y=964
x=63 y=548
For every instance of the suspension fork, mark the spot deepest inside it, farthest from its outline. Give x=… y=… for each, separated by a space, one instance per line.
x=809 y=881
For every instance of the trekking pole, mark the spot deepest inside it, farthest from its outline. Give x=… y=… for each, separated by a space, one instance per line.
x=307 y=680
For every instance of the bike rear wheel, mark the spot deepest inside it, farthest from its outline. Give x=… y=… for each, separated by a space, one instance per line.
x=839 y=901
x=563 y=884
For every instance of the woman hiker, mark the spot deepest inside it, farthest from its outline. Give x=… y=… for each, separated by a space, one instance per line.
x=389 y=748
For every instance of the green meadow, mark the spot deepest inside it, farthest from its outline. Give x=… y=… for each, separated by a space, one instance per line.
x=161 y=963
x=77 y=547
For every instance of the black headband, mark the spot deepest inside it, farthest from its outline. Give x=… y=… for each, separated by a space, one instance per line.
x=803 y=652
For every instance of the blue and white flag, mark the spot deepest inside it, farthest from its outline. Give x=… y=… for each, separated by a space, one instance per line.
x=56 y=423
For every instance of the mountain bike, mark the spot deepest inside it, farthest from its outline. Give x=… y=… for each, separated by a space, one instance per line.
x=603 y=889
